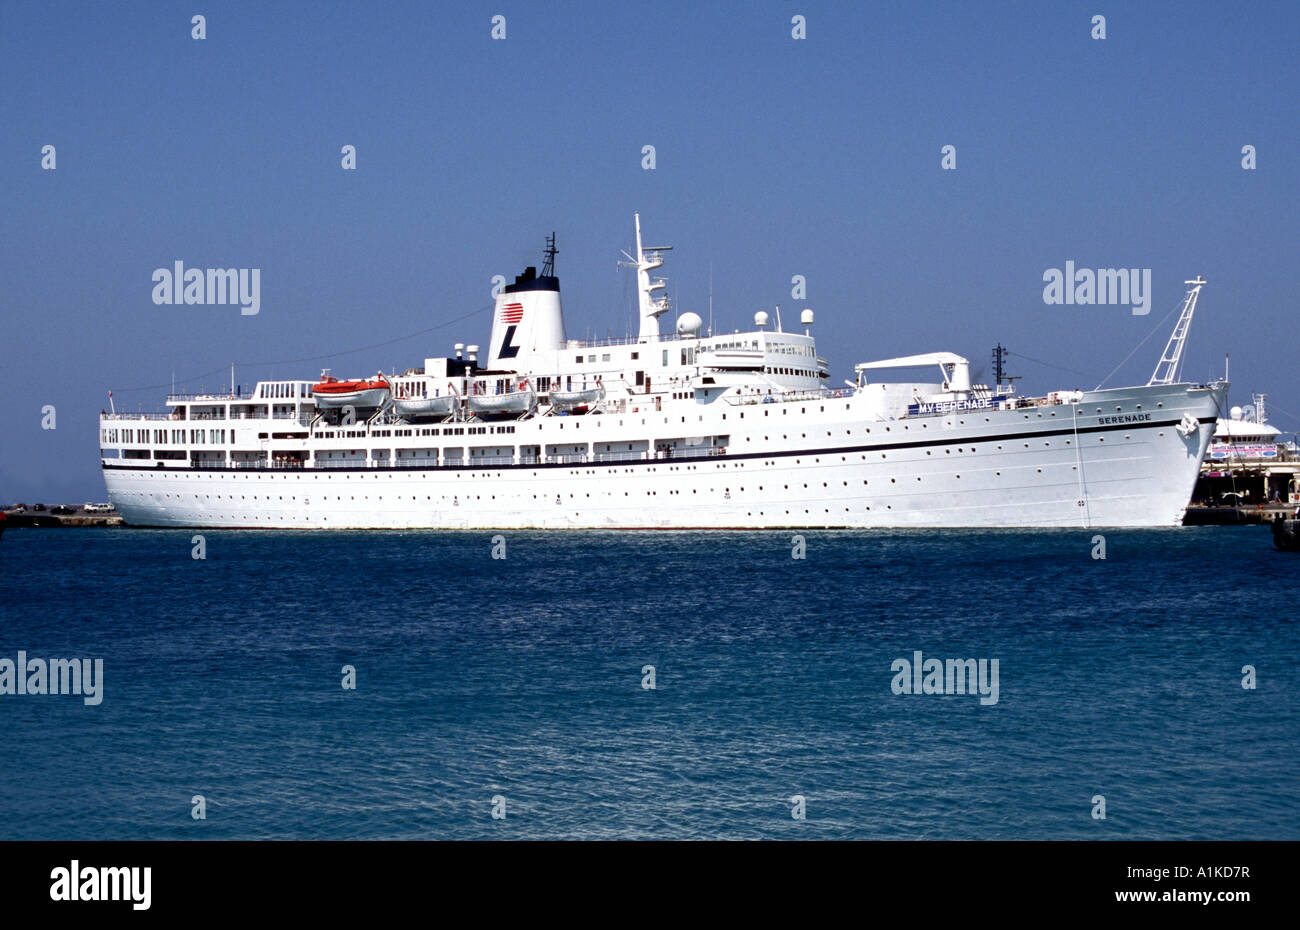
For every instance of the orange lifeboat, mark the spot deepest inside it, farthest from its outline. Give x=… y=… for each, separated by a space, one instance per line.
x=331 y=392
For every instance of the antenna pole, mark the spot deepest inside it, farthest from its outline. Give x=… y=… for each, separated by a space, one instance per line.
x=710 y=298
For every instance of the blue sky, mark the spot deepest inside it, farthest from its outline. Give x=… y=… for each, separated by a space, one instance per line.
x=775 y=157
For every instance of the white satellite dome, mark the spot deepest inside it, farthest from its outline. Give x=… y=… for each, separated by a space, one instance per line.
x=760 y=319
x=806 y=318
x=1235 y=413
x=689 y=324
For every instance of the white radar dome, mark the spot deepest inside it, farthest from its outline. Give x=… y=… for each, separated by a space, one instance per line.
x=806 y=318
x=1235 y=413
x=689 y=324
x=760 y=319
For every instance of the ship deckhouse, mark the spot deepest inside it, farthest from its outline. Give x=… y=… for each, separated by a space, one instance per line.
x=528 y=338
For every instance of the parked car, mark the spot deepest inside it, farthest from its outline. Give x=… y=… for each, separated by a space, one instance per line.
x=97 y=508
x=38 y=507
x=61 y=510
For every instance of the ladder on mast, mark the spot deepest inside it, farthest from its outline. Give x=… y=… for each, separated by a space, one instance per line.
x=1167 y=368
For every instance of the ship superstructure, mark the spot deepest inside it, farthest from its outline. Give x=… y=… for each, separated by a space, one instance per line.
x=686 y=428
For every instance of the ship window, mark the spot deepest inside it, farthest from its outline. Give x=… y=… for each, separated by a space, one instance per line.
x=578 y=359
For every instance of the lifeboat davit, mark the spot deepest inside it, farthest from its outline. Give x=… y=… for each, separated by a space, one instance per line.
x=331 y=392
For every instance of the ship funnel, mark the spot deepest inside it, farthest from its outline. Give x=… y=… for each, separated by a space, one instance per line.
x=528 y=319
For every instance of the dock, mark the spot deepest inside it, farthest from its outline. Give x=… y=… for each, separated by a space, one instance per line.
x=16 y=519
x=1235 y=515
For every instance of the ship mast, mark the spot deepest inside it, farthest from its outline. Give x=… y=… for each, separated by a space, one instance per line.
x=548 y=260
x=1000 y=376
x=652 y=307
x=1167 y=368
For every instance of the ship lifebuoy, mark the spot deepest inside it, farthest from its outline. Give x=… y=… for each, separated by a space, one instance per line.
x=523 y=385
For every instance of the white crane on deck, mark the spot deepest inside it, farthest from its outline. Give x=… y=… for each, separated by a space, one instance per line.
x=1167 y=368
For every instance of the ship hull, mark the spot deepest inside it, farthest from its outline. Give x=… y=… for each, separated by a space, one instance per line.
x=1115 y=459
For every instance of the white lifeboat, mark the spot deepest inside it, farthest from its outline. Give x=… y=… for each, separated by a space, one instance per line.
x=422 y=397
x=585 y=396
x=487 y=396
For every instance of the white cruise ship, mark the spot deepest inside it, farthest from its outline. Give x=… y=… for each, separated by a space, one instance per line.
x=684 y=429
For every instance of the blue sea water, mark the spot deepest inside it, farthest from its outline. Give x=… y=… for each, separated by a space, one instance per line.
x=521 y=678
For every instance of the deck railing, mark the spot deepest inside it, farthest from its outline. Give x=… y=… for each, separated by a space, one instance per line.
x=215 y=398
x=789 y=397
x=488 y=461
